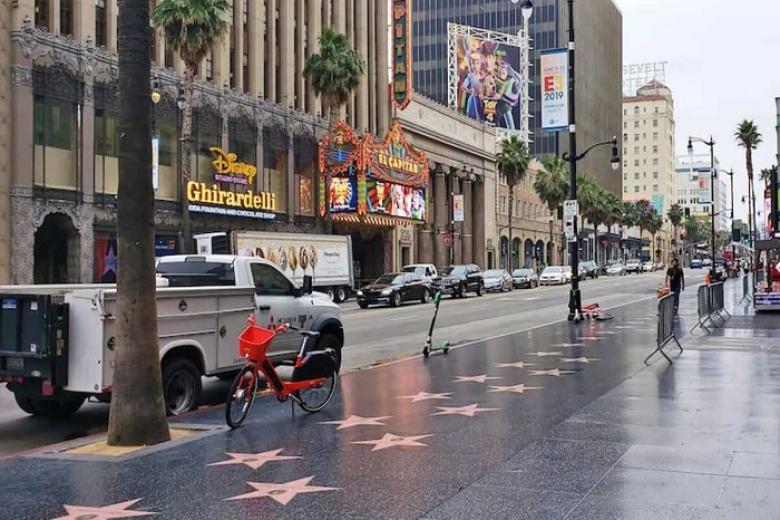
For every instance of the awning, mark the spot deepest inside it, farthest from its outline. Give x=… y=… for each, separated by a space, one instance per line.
x=374 y=220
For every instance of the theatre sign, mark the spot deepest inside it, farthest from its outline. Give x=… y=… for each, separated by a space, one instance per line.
x=211 y=198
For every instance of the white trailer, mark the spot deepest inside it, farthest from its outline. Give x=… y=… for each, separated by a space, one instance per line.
x=326 y=258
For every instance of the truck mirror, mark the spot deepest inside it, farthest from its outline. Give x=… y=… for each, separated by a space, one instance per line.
x=307 y=284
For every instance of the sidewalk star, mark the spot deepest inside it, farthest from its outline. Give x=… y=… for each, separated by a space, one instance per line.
x=254 y=460
x=390 y=440
x=517 y=389
x=569 y=345
x=283 y=492
x=356 y=420
x=582 y=359
x=469 y=410
x=109 y=512
x=590 y=338
x=474 y=379
x=518 y=364
x=545 y=354
x=424 y=396
x=551 y=372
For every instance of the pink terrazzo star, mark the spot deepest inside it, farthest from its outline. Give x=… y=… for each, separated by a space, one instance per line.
x=545 y=354
x=570 y=345
x=518 y=364
x=283 y=492
x=474 y=379
x=109 y=512
x=515 y=389
x=552 y=372
x=581 y=359
x=254 y=460
x=390 y=440
x=590 y=338
x=424 y=396
x=469 y=410
x=356 y=420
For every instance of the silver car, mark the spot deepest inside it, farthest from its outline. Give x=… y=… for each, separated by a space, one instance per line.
x=616 y=268
x=555 y=275
x=525 y=278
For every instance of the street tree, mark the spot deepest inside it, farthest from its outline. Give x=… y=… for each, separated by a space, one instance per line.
x=654 y=224
x=748 y=137
x=630 y=215
x=591 y=200
x=613 y=211
x=191 y=28
x=512 y=162
x=334 y=71
x=137 y=413
x=675 y=216
x=643 y=217
x=551 y=184
x=766 y=176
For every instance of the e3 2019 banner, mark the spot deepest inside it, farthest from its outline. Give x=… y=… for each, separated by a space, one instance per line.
x=555 y=90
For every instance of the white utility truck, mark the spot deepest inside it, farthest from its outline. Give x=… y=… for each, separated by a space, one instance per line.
x=57 y=341
x=326 y=258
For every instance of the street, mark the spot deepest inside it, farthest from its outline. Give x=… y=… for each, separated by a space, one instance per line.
x=374 y=335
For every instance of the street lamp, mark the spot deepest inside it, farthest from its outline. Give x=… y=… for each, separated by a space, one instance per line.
x=526 y=7
x=713 y=175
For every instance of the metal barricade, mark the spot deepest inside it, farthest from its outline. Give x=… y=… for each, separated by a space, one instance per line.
x=718 y=299
x=665 y=329
x=710 y=303
x=746 y=289
x=703 y=308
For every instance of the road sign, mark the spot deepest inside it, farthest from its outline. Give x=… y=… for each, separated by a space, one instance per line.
x=568 y=228
x=570 y=209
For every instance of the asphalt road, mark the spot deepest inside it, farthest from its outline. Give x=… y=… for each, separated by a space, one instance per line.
x=375 y=335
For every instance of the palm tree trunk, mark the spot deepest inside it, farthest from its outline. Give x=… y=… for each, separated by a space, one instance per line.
x=137 y=414
x=186 y=154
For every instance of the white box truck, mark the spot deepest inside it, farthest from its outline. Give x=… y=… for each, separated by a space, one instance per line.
x=326 y=258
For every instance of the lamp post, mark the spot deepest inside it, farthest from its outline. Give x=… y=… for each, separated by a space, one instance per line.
x=156 y=97
x=713 y=176
x=526 y=10
x=730 y=173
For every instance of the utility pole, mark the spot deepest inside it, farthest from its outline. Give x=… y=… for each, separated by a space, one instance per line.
x=575 y=302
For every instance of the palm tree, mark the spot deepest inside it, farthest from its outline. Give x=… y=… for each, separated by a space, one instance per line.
x=334 y=71
x=766 y=176
x=191 y=27
x=137 y=414
x=748 y=137
x=552 y=184
x=512 y=162
x=675 y=216
x=630 y=216
x=613 y=210
x=590 y=197
x=654 y=224
x=643 y=218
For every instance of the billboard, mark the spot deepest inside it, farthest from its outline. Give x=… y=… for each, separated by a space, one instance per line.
x=488 y=79
x=394 y=199
x=555 y=90
x=342 y=195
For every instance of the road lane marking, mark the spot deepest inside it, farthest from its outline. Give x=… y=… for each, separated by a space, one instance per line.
x=402 y=317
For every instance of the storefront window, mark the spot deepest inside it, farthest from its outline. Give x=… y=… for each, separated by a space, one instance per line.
x=167 y=187
x=106 y=152
x=208 y=134
x=305 y=155
x=54 y=127
x=274 y=176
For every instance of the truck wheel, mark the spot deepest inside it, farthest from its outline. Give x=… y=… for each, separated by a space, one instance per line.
x=182 y=386
x=341 y=294
x=328 y=340
x=331 y=294
x=26 y=404
x=59 y=408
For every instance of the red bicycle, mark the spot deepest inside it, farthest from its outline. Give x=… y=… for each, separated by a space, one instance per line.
x=313 y=381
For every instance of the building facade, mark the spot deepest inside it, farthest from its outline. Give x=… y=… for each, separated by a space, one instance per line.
x=691 y=175
x=648 y=154
x=5 y=145
x=599 y=36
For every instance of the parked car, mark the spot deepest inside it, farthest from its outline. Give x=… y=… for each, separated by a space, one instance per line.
x=616 y=268
x=648 y=267
x=591 y=269
x=695 y=263
x=525 y=278
x=458 y=280
x=393 y=289
x=554 y=275
x=497 y=280
x=427 y=272
x=634 y=265
x=707 y=262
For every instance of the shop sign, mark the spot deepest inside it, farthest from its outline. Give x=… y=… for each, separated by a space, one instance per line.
x=227 y=168
x=402 y=58
x=203 y=198
x=394 y=160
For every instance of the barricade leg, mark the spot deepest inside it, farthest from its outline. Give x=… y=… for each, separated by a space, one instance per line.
x=660 y=348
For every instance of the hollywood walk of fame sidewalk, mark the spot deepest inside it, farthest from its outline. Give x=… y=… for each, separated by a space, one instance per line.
x=491 y=430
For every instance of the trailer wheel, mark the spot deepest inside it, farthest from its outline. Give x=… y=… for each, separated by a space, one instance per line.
x=341 y=294
x=182 y=385
x=331 y=294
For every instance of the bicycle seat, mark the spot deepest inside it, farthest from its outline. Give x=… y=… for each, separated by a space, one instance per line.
x=309 y=333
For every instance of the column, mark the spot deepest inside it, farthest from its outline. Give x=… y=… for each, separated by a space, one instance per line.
x=256 y=47
x=425 y=232
x=271 y=50
x=111 y=26
x=361 y=34
x=84 y=21
x=54 y=16
x=314 y=24
x=326 y=14
x=286 y=44
x=478 y=223
x=6 y=137
x=300 y=56
x=372 y=66
x=466 y=237
x=457 y=246
x=220 y=59
x=292 y=192
x=441 y=211
x=238 y=45
x=382 y=104
x=339 y=24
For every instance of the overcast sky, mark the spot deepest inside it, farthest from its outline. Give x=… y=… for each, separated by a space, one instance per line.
x=724 y=66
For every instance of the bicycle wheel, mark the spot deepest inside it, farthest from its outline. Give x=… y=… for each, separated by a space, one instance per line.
x=316 y=398
x=241 y=397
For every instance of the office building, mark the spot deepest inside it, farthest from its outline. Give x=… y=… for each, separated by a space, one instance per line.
x=691 y=177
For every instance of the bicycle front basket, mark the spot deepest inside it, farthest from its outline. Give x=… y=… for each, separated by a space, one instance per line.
x=254 y=341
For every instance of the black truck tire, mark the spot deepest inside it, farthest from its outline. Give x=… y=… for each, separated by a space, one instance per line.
x=332 y=341
x=182 y=386
x=55 y=408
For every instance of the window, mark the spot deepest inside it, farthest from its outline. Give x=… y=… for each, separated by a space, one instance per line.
x=625 y=189
x=655 y=148
x=625 y=138
x=66 y=17
x=42 y=14
x=636 y=176
x=655 y=175
x=100 y=23
x=636 y=110
x=503 y=206
x=54 y=127
x=655 y=123
x=106 y=152
x=655 y=188
x=655 y=162
x=636 y=162
x=656 y=110
x=167 y=174
x=636 y=189
x=636 y=149
x=269 y=281
x=655 y=136
x=636 y=125
x=636 y=138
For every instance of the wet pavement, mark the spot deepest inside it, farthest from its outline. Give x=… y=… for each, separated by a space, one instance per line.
x=562 y=421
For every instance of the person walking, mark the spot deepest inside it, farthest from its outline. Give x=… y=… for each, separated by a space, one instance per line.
x=675 y=280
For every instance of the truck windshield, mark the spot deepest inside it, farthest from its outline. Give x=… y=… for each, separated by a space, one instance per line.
x=197 y=274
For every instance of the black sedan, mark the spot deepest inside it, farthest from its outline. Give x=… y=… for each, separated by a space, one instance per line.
x=394 y=289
